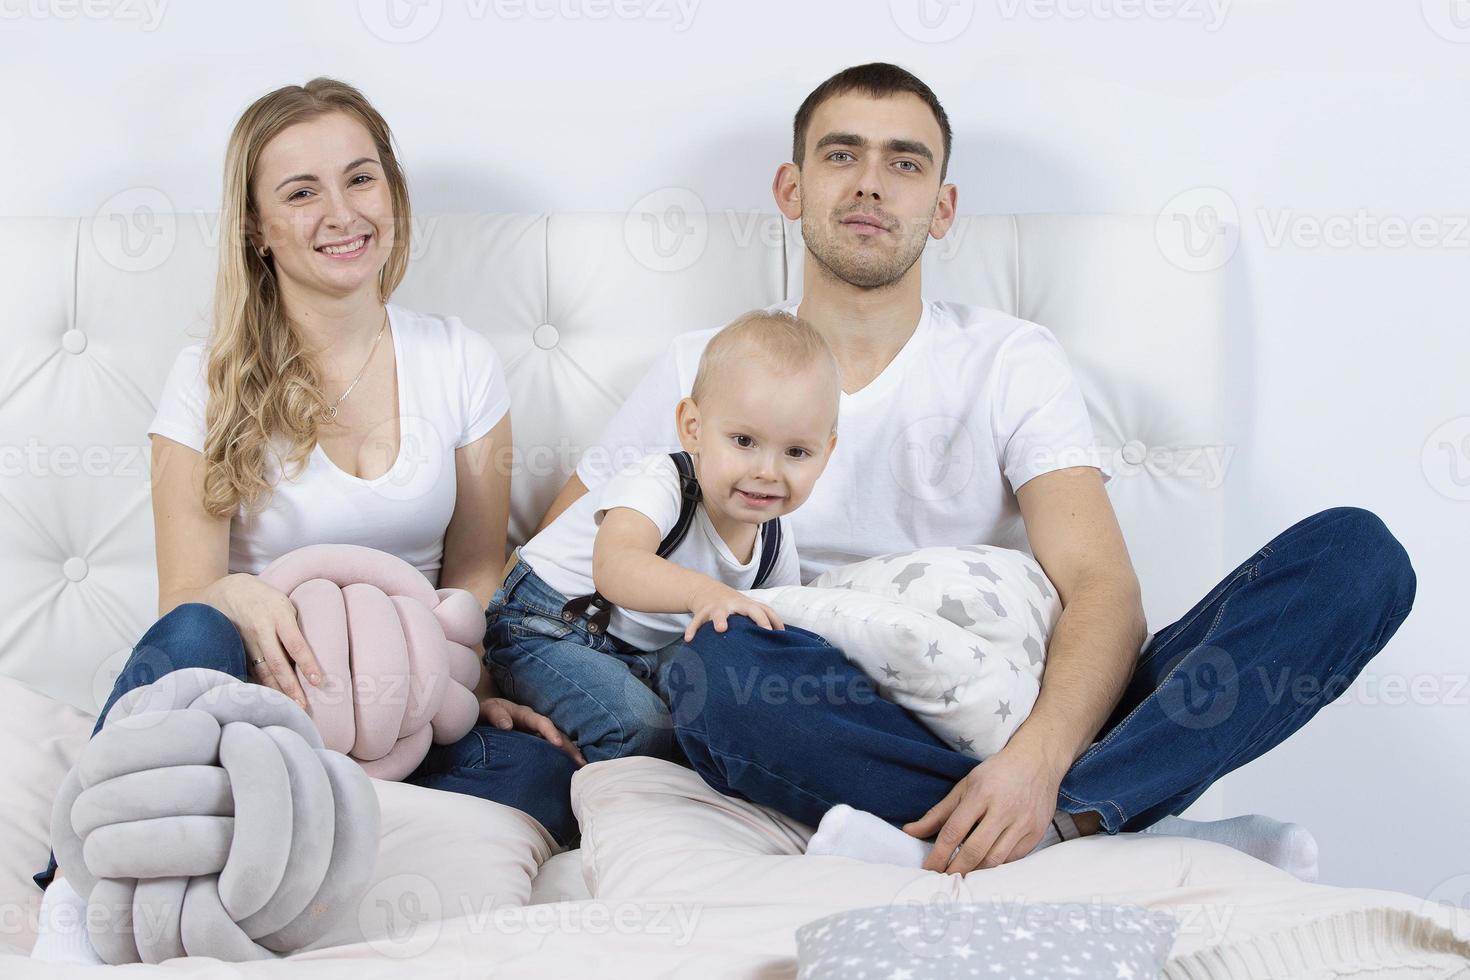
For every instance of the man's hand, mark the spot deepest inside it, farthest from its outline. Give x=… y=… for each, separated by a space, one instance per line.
x=1011 y=796
x=716 y=602
x=507 y=714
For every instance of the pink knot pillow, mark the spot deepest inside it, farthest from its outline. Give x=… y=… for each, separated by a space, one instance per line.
x=397 y=669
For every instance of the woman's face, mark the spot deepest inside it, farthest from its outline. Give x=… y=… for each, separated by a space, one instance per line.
x=324 y=207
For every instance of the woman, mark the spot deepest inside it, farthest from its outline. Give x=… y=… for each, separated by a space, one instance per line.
x=319 y=413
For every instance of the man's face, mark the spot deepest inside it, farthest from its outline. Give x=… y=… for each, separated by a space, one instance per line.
x=869 y=186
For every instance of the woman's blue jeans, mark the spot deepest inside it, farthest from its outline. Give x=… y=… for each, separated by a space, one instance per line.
x=781 y=718
x=510 y=767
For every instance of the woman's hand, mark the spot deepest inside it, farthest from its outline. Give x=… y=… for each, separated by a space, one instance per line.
x=266 y=619
x=508 y=714
x=716 y=602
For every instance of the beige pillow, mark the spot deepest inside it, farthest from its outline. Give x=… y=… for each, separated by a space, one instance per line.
x=560 y=880
x=39 y=742
x=443 y=855
x=654 y=831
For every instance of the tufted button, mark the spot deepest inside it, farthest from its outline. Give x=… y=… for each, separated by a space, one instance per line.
x=1134 y=452
x=546 y=336
x=75 y=569
x=74 y=341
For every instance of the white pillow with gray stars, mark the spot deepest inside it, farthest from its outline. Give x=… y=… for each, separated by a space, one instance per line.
x=956 y=635
x=1003 y=940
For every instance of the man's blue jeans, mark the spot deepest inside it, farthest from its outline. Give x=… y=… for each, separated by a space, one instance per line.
x=782 y=719
x=510 y=767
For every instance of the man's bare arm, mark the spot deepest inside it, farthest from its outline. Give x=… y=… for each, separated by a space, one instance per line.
x=1000 y=810
x=1075 y=537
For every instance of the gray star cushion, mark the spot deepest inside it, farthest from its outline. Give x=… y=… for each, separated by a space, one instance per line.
x=968 y=593
x=956 y=635
x=206 y=819
x=950 y=941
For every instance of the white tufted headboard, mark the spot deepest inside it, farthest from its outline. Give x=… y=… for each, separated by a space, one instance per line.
x=577 y=305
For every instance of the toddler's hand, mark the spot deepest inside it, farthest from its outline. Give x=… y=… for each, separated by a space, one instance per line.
x=717 y=602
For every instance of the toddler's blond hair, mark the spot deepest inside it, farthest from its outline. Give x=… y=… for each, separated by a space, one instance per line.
x=782 y=342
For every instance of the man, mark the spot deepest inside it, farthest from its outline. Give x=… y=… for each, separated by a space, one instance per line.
x=1129 y=727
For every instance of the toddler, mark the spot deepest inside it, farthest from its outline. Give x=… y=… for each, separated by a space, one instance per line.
x=638 y=565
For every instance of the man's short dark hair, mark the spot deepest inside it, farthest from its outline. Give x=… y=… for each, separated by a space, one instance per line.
x=878 y=80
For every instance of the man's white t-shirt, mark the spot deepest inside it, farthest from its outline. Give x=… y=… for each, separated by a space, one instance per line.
x=561 y=555
x=451 y=391
x=929 y=453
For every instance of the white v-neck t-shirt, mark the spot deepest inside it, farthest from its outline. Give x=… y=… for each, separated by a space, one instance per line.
x=451 y=391
x=929 y=453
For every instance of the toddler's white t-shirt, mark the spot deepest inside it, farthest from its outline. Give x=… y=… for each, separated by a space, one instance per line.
x=451 y=391
x=561 y=555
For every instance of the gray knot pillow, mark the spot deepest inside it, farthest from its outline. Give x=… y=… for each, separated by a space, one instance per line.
x=206 y=819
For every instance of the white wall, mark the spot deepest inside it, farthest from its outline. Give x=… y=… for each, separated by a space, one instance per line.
x=1351 y=356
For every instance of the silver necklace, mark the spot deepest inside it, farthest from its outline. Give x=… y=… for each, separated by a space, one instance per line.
x=331 y=413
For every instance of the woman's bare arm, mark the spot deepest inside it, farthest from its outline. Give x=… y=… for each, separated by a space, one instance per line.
x=193 y=548
x=570 y=491
x=193 y=553
x=474 y=542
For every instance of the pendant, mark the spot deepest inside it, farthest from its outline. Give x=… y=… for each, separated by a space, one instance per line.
x=331 y=413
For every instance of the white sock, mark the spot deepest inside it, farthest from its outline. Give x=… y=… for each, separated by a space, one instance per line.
x=61 y=932
x=1289 y=846
x=863 y=836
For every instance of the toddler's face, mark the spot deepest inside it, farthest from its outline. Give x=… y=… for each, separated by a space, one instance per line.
x=760 y=439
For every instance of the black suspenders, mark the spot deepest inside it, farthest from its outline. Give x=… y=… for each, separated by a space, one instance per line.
x=598 y=611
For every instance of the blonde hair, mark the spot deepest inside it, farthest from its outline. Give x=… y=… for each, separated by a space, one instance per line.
x=783 y=342
x=261 y=383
